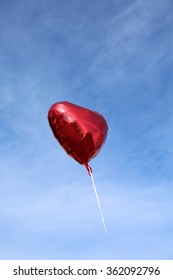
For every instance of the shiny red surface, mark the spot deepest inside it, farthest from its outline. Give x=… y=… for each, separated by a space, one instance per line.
x=80 y=131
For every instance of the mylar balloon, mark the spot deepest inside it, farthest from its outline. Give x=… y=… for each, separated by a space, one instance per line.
x=80 y=131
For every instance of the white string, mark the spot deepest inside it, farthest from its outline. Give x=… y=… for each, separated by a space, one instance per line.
x=98 y=202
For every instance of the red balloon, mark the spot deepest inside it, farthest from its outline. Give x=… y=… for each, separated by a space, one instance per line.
x=80 y=131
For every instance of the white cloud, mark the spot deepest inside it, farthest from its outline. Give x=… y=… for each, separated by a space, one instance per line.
x=128 y=50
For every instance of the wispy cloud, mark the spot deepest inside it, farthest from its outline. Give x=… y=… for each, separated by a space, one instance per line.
x=128 y=50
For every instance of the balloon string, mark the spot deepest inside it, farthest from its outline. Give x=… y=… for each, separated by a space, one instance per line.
x=89 y=169
x=99 y=206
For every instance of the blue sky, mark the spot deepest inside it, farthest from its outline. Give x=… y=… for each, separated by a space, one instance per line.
x=114 y=57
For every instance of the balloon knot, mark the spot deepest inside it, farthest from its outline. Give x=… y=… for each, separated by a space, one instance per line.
x=89 y=169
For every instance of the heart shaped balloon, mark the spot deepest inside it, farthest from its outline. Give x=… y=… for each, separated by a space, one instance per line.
x=80 y=131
